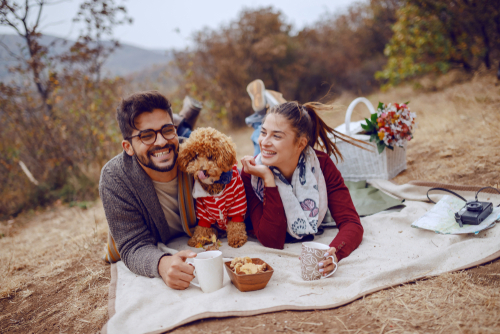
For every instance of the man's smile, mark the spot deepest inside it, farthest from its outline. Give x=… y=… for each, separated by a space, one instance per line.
x=161 y=153
x=159 y=158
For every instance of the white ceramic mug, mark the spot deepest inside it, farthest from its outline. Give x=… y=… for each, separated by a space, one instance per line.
x=209 y=270
x=312 y=254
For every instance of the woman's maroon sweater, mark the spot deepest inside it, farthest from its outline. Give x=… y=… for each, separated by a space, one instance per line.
x=269 y=219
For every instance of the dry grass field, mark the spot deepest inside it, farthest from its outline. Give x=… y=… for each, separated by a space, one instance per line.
x=52 y=279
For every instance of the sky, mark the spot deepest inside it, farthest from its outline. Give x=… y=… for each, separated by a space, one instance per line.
x=166 y=24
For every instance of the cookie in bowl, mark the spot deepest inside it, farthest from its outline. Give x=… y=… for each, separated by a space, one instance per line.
x=249 y=274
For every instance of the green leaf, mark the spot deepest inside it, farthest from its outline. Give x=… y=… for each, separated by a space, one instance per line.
x=369 y=127
x=390 y=147
x=380 y=105
x=407 y=102
x=380 y=146
x=374 y=118
x=374 y=137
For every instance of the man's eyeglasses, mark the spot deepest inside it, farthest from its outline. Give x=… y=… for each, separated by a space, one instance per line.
x=148 y=136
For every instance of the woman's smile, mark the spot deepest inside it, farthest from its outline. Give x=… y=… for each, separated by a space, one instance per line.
x=268 y=153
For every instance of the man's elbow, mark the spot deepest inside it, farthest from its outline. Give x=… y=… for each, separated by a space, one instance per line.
x=126 y=257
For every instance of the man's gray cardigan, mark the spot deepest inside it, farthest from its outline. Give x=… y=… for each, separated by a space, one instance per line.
x=135 y=217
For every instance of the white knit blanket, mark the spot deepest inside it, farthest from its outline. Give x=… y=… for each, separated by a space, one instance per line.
x=391 y=253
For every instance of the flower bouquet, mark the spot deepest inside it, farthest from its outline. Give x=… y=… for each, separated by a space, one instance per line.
x=392 y=125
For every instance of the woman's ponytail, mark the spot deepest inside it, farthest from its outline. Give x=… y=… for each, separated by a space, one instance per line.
x=320 y=130
x=306 y=121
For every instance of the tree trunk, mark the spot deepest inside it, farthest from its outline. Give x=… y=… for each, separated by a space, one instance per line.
x=487 y=50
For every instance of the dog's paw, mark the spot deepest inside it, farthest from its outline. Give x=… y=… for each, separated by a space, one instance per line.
x=236 y=234
x=202 y=236
x=192 y=242
x=237 y=241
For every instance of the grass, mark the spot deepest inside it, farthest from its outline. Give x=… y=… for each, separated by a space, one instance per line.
x=50 y=267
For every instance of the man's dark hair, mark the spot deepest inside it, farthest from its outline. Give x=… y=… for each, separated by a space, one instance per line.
x=134 y=105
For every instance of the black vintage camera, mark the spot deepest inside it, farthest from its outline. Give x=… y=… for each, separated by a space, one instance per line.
x=473 y=213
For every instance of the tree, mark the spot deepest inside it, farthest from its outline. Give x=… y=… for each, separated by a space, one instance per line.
x=434 y=36
x=100 y=18
x=55 y=114
x=257 y=45
x=338 y=53
x=37 y=61
x=342 y=52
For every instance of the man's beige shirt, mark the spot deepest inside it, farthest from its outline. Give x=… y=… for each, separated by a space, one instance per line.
x=167 y=195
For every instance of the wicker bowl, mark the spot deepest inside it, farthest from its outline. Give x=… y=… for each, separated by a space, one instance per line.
x=250 y=282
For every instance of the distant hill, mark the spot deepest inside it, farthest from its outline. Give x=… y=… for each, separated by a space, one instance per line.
x=124 y=61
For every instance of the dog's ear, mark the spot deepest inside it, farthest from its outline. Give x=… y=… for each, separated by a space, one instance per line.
x=186 y=155
x=227 y=157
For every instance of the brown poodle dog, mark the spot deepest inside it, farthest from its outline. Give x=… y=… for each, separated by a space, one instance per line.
x=210 y=156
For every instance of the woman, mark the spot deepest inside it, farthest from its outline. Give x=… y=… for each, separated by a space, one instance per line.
x=289 y=186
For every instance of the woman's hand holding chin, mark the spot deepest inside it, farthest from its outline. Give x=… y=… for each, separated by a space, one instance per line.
x=262 y=171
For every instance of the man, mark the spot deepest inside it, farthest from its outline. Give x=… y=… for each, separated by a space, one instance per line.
x=146 y=199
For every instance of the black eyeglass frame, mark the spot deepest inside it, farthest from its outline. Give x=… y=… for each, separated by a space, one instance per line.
x=156 y=134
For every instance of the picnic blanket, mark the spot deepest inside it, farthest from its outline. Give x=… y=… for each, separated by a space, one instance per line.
x=391 y=253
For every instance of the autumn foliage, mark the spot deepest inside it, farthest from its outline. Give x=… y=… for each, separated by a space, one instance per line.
x=57 y=113
x=338 y=53
x=433 y=36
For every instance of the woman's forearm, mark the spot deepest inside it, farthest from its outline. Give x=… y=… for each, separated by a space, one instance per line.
x=269 y=182
x=270 y=229
x=342 y=210
x=347 y=240
x=268 y=216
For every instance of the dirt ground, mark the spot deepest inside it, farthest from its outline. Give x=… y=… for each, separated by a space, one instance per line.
x=53 y=281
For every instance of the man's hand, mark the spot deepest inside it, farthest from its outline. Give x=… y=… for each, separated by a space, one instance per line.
x=175 y=272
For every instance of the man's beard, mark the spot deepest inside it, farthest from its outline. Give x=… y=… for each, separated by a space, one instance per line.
x=147 y=162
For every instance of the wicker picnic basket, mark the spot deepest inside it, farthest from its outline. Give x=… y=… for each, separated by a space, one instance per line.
x=361 y=164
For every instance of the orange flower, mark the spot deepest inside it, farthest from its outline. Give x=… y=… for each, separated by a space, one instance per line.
x=381 y=135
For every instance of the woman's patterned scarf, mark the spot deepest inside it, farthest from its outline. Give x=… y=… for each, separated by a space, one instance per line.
x=305 y=198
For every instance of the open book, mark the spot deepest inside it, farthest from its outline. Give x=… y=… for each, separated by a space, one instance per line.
x=441 y=218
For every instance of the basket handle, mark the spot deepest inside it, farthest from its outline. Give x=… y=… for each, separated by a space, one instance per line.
x=351 y=108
